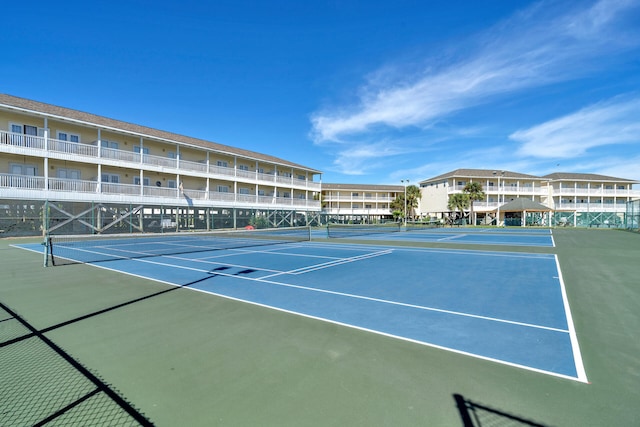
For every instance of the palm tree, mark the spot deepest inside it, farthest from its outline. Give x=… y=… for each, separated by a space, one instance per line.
x=475 y=193
x=413 y=197
x=458 y=201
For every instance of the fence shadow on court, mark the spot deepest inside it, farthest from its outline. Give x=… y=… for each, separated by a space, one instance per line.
x=42 y=384
x=475 y=414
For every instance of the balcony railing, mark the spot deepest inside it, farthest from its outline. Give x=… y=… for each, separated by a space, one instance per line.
x=35 y=145
x=48 y=188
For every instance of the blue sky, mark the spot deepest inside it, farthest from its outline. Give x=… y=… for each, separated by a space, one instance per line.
x=365 y=91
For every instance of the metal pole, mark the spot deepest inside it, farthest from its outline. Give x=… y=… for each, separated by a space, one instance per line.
x=405 y=182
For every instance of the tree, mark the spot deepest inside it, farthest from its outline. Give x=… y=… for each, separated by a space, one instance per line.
x=475 y=193
x=413 y=197
x=458 y=201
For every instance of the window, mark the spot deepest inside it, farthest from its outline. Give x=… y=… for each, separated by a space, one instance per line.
x=137 y=149
x=223 y=188
x=110 y=177
x=171 y=183
x=68 y=173
x=368 y=206
x=261 y=193
x=171 y=154
x=243 y=167
x=222 y=163
x=30 y=130
x=302 y=177
x=145 y=181
x=355 y=206
x=71 y=137
x=355 y=195
x=621 y=187
x=286 y=195
x=244 y=191
x=20 y=169
x=109 y=144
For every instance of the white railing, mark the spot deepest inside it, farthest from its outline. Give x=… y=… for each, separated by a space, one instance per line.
x=121 y=155
x=246 y=198
x=268 y=177
x=165 y=162
x=221 y=170
x=20 y=140
x=330 y=198
x=91 y=152
x=283 y=180
x=66 y=147
x=193 y=166
x=195 y=194
x=22 y=181
x=160 y=192
x=74 y=185
x=112 y=188
x=266 y=200
x=222 y=197
x=241 y=173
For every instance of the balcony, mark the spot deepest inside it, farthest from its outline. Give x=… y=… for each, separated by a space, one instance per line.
x=59 y=189
x=28 y=145
x=356 y=211
x=596 y=192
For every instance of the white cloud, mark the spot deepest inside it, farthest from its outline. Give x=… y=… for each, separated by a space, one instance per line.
x=607 y=123
x=527 y=51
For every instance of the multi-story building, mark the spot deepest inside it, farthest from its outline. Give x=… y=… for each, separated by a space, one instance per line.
x=359 y=202
x=574 y=198
x=63 y=155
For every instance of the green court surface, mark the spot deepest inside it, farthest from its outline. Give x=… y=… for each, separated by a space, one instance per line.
x=123 y=350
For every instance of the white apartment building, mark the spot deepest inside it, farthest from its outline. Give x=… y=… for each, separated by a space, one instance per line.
x=574 y=198
x=51 y=153
x=359 y=202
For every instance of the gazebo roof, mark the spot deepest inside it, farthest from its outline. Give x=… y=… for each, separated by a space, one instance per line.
x=521 y=205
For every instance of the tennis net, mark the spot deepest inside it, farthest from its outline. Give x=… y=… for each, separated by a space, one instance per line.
x=73 y=249
x=422 y=225
x=351 y=230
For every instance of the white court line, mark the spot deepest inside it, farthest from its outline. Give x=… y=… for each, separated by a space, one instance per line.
x=361 y=297
x=504 y=254
x=457 y=236
x=577 y=355
x=329 y=264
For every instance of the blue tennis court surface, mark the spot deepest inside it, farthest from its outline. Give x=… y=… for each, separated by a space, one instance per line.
x=482 y=236
x=505 y=307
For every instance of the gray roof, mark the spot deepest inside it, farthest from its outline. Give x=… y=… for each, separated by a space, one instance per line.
x=568 y=176
x=492 y=173
x=480 y=173
x=362 y=187
x=520 y=204
x=87 y=119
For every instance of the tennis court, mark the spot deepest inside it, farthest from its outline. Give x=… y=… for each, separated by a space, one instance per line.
x=514 y=312
x=322 y=332
x=476 y=236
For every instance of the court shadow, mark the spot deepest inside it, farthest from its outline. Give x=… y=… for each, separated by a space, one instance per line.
x=475 y=414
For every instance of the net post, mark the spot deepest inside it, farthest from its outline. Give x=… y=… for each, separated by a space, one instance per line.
x=45 y=232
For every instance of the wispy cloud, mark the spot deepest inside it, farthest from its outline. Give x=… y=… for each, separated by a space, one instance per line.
x=533 y=48
x=529 y=50
x=611 y=122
